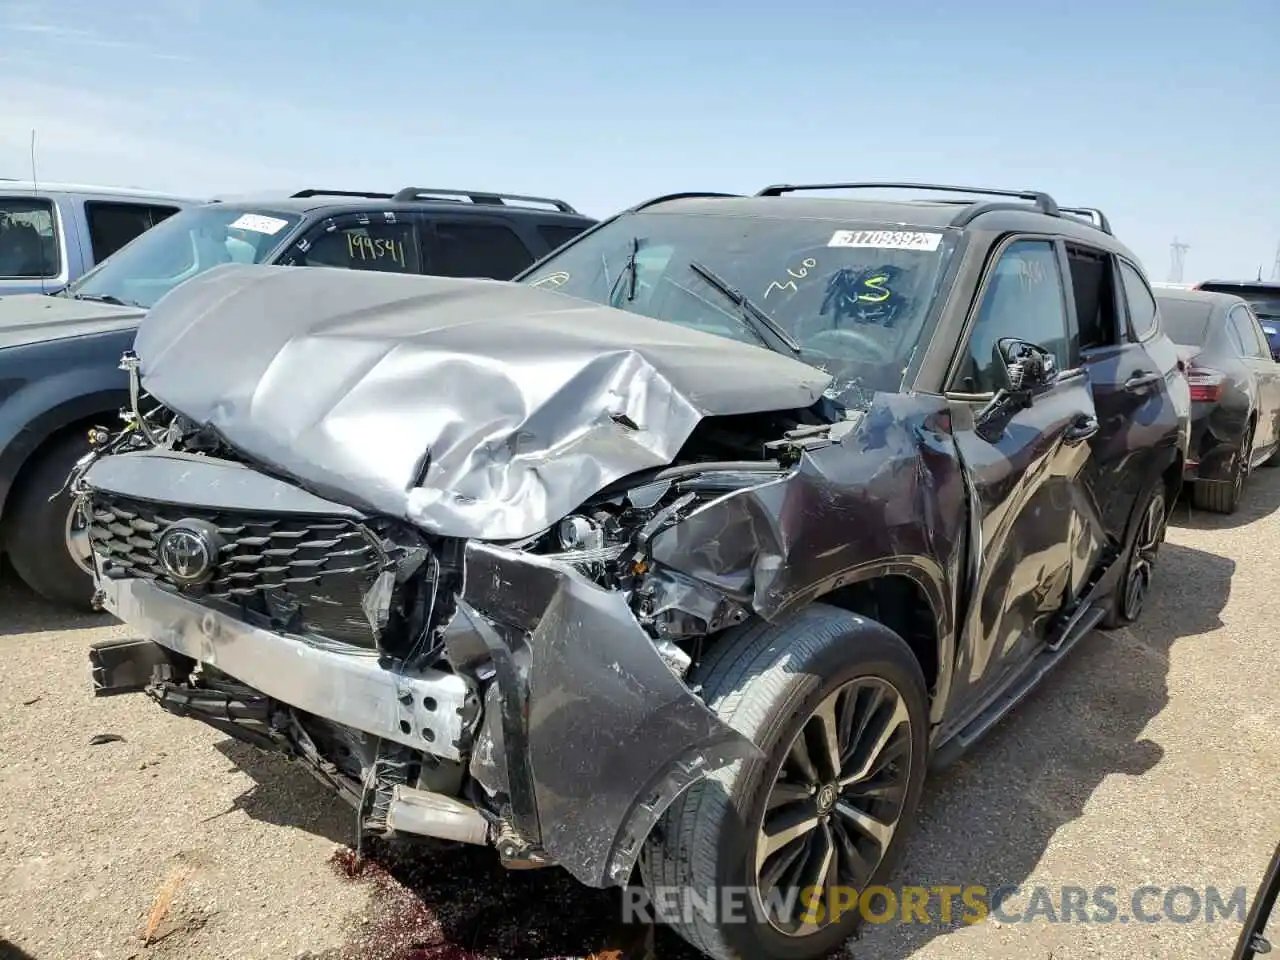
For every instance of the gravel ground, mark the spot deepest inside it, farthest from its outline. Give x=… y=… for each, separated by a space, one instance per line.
x=1148 y=758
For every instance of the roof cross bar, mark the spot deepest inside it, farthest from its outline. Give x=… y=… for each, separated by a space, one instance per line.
x=1043 y=202
x=479 y=197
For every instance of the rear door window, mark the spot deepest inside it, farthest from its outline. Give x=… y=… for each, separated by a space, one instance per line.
x=1094 y=291
x=477 y=248
x=112 y=224
x=28 y=239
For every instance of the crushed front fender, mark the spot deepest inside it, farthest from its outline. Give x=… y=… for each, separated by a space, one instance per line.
x=599 y=735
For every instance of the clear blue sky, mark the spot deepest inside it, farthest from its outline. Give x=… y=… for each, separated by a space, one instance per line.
x=1163 y=114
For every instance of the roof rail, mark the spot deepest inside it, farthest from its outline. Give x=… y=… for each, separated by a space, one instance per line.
x=317 y=192
x=1043 y=202
x=478 y=196
x=687 y=195
x=1096 y=216
x=973 y=210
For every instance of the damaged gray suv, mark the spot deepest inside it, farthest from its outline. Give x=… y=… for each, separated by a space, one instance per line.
x=686 y=554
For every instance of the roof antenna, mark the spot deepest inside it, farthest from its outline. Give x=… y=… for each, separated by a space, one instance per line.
x=35 y=192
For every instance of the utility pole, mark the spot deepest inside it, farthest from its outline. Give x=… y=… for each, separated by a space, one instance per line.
x=1178 y=256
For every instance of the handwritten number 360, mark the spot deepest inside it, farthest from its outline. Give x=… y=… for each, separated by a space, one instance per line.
x=807 y=264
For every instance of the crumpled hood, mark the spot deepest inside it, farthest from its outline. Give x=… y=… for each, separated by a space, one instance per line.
x=34 y=318
x=473 y=408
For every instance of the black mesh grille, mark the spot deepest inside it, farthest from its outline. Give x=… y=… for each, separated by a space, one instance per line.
x=305 y=572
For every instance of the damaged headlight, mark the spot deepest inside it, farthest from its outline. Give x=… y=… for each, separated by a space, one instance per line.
x=607 y=540
x=579 y=533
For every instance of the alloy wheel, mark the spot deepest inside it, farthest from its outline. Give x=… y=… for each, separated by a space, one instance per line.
x=1146 y=544
x=1243 y=462
x=835 y=804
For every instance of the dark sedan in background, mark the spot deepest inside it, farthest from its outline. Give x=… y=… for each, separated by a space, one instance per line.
x=1235 y=392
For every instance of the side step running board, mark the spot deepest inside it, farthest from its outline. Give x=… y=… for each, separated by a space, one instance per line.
x=1015 y=692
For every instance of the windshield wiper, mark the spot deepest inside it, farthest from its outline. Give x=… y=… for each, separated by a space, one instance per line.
x=107 y=298
x=629 y=272
x=752 y=315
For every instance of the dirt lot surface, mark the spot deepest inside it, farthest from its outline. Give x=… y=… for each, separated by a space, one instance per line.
x=1150 y=757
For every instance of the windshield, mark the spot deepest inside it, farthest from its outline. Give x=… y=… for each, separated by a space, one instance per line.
x=181 y=247
x=852 y=297
x=1185 y=321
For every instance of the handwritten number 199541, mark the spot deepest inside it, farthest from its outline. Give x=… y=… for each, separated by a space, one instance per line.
x=360 y=247
x=807 y=264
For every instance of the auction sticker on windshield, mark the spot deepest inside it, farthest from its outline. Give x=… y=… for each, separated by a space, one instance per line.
x=885 y=239
x=259 y=224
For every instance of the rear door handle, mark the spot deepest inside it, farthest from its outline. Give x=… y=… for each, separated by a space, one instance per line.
x=1080 y=431
x=1142 y=380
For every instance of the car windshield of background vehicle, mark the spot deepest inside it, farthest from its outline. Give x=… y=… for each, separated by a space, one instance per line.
x=852 y=296
x=1264 y=300
x=1267 y=308
x=1186 y=321
x=181 y=247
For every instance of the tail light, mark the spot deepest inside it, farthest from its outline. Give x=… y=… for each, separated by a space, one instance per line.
x=1206 y=384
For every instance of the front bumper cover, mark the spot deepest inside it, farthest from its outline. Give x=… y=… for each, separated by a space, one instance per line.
x=598 y=735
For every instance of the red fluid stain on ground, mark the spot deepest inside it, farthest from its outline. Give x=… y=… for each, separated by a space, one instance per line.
x=458 y=903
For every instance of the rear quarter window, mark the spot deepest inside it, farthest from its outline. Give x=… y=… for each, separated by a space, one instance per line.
x=1142 y=303
x=557 y=234
x=28 y=239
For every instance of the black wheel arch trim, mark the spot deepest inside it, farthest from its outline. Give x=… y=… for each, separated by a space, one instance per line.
x=19 y=446
x=928 y=575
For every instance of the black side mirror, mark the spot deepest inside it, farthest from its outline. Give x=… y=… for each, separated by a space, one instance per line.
x=1028 y=369
x=1027 y=365
x=1255 y=939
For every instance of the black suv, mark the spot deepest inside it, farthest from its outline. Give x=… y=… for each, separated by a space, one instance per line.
x=689 y=551
x=60 y=356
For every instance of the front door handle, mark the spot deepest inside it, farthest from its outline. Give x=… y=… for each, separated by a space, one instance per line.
x=1080 y=431
x=1141 y=380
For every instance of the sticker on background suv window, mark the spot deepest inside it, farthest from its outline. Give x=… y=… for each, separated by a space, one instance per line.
x=259 y=224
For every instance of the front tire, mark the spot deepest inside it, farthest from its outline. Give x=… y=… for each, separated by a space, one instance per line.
x=838 y=705
x=42 y=534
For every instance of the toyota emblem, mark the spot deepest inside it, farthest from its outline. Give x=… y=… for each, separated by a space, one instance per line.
x=188 y=551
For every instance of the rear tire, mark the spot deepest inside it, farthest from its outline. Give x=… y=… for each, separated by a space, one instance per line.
x=37 y=529
x=776 y=684
x=1130 y=594
x=1223 y=496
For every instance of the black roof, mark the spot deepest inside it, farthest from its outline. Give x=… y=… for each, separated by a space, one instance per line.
x=1261 y=286
x=992 y=210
